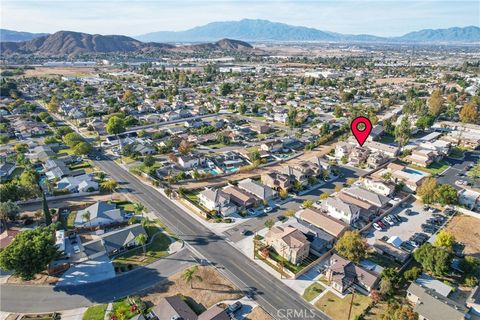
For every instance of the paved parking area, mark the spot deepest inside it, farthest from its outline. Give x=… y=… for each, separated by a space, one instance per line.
x=405 y=229
x=98 y=269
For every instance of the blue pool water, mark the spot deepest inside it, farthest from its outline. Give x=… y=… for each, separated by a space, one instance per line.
x=411 y=171
x=231 y=169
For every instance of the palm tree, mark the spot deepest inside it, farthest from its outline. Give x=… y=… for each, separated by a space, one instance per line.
x=141 y=239
x=109 y=185
x=189 y=274
x=168 y=192
x=138 y=208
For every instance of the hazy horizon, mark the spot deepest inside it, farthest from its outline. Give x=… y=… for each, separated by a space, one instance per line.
x=132 y=18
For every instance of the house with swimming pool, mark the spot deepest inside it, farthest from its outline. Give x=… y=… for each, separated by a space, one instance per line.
x=397 y=173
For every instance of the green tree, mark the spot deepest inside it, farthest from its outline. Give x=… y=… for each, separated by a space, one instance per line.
x=475 y=171
x=351 y=246
x=324 y=196
x=53 y=106
x=446 y=194
x=469 y=113
x=396 y=311
x=433 y=259
x=115 y=125
x=141 y=239
x=426 y=191
x=225 y=88
x=444 y=239
x=82 y=148
x=403 y=132
x=72 y=139
x=149 y=160
x=283 y=193
x=138 y=208
x=109 y=185
x=435 y=103
x=413 y=273
x=189 y=274
x=30 y=252
x=9 y=210
x=46 y=211
x=269 y=223
x=307 y=204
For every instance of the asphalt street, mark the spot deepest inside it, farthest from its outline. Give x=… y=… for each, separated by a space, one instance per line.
x=274 y=296
x=33 y=298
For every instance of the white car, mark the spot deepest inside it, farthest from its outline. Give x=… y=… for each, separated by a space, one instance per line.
x=267 y=209
x=389 y=221
x=76 y=249
x=377 y=226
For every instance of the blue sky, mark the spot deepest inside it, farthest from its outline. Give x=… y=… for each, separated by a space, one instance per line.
x=134 y=17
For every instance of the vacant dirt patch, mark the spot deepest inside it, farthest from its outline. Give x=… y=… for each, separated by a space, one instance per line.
x=40 y=279
x=393 y=80
x=60 y=71
x=466 y=230
x=258 y=314
x=207 y=289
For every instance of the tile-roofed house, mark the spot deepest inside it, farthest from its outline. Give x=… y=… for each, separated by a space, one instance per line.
x=100 y=213
x=358 y=155
x=214 y=313
x=173 y=308
x=387 y=149
x=431 y=305
x=218 y=200
x=277 y=181
x=343 y=273
x=240 y=197
x=347 y=212
x=375 y=199
x=261 y=191
x=316 y=218
x=289 y=242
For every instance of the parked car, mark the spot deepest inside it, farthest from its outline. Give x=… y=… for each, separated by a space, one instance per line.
x=234 y=307
x=381 y=224
x=251 y=211
x=389 y=220
x=408 y=212
x=267 y=209
x=76 y=249
x=377 y=226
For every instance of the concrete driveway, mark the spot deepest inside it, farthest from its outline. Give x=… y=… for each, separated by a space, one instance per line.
x=98 y=269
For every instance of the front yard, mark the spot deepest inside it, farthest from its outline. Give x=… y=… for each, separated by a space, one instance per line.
x=337 y=308
x=96 y=312
x=154 y=251
x=312 y=291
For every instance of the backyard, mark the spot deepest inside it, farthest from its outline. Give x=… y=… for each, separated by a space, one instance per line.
x=434 y=168
x=337 y=308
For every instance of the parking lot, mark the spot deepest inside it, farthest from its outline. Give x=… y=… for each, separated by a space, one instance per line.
x=409 y=225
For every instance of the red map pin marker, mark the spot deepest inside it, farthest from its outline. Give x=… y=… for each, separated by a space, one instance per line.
x=361 y=134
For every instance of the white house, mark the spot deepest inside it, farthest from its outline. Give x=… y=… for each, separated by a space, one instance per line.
x=217 y=200
x=100 y=213
x=469 y=198
x=189 y=161
x=83 y=183
x=379 y=186
x=340 y=210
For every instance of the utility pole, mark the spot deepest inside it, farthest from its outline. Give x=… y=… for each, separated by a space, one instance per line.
x=352 y=290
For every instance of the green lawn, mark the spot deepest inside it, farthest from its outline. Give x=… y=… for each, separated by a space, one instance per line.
x=387 y=138
x=312 y=291
x=382 y=260
x=122 y=309
x=434 y=168
x=96 y=312
x=67 y=151
x=337 y=308
x=71 y=219
x=155 y=250
x=456 y=153
x=290 y=266
x=124 y=204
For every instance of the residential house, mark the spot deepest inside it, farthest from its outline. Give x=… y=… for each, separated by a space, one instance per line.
x=473 y=301
x=6 y=169
x=376 y=159
x=342 y=149
x=389 y=150
x=422 y=157
x=358 y=155
x=272 y=146
x=433 y=306
x=190 y=161
x=379 y=186
x=288 y=242
x=313 y=217
x=469 y=198
x=343 y=274
x=240 y=197
x=100 y=213
x=373 y=198
x=40 y=153
x=346 y=212
x=321 y=163
x=277 y=181
x=114 y=242
x=81 y=183
x=217 y=200
x=261 y=191
x=214 y=313
x=399 y=173
x=56 y=169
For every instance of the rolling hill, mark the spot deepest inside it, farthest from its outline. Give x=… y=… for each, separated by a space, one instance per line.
x=16 y=36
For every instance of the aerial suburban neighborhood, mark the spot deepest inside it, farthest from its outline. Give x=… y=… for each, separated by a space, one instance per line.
x=149 y=178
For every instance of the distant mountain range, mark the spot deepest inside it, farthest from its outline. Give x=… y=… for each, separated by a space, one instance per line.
x=64 y=43
x=264 y=30
x=15 y=36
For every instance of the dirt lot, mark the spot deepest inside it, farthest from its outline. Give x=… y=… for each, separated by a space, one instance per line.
x=394 y=80
x=61 y=71
x=258 y=314
x=466 y=230
x=212 y=289
x=40 y=279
